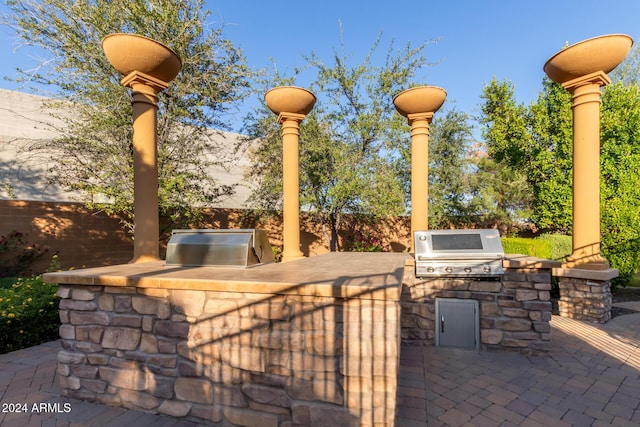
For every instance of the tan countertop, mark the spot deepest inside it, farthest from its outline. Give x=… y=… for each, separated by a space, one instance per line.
x=336 y=274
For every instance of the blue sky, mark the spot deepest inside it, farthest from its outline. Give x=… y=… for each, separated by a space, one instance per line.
x=509 y=39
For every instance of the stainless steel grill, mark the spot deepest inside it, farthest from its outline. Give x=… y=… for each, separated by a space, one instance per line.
x=219 y=248
x=458 y=253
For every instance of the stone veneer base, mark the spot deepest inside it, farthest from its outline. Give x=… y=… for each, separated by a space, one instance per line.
x=514 y=311
x=305 y=343
x=585 y=294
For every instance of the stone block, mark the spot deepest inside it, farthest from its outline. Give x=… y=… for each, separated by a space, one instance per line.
x=120 y=362
x=67 y=332
x=63 y=291
x=480 y=286
x=98 y=359
x=132 y=379
x=106 y=302
x=174 y=409
x=514 y=324
x=70 y=383
x=166 y=345
x=71 y=358
x=147 y=305
x=544 y=296
x=212 y=413
x=161 y=387
x=267 y=395
x=325 y=344
x=246 y=358
x=130 y=320
x=272 y=311
x=88 y=318
x=148 y=343
x=138 y=399
x=94 y=386
x=189 y=369
x=526 y=295
x=88 y=347
x=543 y=276
x=147 y=323
x=220 y=307
x=91 y=333
x=194 y=390
x=489 y=309
x=542 y=327
x=189 y=303
x=163 y=360
x=491 y=336
x=537 y=305
x=84 y=371
x=121 y=338
x=220 y=372
x=327 y=390
x=249 y=418
x=280 y=340
x=82 y=294
x=71 y=304
x=542 y=286
x=515 y=312
x=122 y=303
x=169 y=328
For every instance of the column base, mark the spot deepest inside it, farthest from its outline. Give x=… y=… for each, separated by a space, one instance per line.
x=587 y=262
x=286 y=257
x=585 y=294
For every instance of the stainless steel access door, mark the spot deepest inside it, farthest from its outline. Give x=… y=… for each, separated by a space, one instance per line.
x=457 y=323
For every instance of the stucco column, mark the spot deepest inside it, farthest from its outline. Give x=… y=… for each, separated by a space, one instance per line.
x=419 y=171
x=290 y=185
x=418 y=105
x=144 y=100
x=585 y=105
x=148 y=67
x=291 y=104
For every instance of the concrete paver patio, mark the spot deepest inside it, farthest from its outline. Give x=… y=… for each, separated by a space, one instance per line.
x=590 y=378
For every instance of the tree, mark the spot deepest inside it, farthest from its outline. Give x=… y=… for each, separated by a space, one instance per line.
x=541 y=146
x=504 y=168
x=94 y=153
x=451 y=189
x=352 y=144
x=620 y=180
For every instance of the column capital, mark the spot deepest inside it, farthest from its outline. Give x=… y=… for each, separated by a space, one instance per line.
x=599 y=77
x=136 y=78
x=411 y=118
x=283 y=117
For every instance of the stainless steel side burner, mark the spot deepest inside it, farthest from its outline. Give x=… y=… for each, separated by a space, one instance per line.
x=219 y=248
x=458 y=253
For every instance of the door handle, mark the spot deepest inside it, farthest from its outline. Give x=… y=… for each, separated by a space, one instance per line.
x=442 y=324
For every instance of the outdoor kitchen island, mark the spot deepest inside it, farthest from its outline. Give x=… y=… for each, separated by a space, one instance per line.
x=314 y=341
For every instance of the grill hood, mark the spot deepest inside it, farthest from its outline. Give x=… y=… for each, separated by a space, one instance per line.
x=219 y=248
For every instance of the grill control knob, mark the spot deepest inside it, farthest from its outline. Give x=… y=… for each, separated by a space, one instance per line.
x=448 y=269
x=430 y=269
x=467 y=269
x=486 y=269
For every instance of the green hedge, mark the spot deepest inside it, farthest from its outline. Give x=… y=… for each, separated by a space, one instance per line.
x=28 y=313
x=548 y=246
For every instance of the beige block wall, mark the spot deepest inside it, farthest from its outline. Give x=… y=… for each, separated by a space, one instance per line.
x=86 y=238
